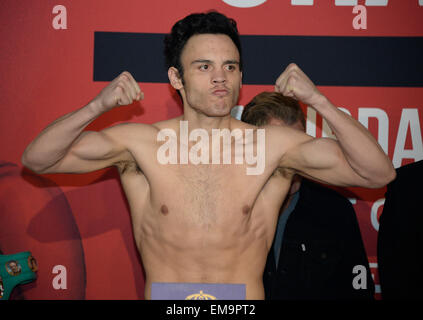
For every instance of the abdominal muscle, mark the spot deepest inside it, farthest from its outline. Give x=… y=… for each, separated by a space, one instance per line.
x=215 y=232
x=174 y=249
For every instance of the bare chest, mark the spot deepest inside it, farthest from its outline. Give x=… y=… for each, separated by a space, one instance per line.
x=206 y=196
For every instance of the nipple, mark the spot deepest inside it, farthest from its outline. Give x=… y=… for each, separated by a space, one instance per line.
x=164 y=210
x=246 y=209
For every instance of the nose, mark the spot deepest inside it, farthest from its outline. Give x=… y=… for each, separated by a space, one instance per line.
x=219 y=77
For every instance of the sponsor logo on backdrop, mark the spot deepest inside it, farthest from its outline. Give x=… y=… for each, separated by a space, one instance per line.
x=376 y=212
x=359 y=21
x=409 y=125
x=255 y=3
x=244 y=3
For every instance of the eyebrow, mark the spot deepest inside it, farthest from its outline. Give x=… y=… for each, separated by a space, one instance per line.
x=211 y=62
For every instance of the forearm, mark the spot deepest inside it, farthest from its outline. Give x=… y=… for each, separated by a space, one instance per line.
x=54 y=141
x=360 y=148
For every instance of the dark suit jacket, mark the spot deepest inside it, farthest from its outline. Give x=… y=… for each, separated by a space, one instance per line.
x=400 y=238
x=321 y=246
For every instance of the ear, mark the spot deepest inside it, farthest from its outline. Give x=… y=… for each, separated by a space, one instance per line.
x=174 y=78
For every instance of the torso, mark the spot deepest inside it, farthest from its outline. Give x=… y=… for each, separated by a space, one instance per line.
x=205 y=223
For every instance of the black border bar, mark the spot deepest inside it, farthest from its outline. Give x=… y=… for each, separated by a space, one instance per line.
x=328 y=61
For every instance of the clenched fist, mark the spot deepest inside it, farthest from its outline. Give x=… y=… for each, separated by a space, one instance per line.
x=294 y=83
x=123 y=90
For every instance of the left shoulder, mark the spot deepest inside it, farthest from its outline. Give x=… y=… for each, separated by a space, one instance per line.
x=238 y=124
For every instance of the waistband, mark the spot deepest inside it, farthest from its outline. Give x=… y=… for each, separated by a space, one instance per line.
x=197 y=291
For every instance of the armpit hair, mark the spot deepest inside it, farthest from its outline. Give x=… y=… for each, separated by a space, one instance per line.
x=126 y=166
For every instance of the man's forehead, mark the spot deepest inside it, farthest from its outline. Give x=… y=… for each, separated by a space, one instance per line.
x=203 y=46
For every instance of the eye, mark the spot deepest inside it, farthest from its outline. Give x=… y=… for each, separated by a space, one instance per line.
x=204 y=67
x=231 y=67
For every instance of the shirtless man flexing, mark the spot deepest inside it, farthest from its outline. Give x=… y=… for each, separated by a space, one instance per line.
x=208 y=223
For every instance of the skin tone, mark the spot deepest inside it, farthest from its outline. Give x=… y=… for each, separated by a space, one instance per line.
x=208 y=223
x=212 y=80
x=296 y=180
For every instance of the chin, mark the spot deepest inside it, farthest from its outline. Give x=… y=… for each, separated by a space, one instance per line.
x=220 y=112
x=222 y=107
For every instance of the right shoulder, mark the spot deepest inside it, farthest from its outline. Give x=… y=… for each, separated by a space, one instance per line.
x=140 y=132
x=173 y=124
x=130 y=131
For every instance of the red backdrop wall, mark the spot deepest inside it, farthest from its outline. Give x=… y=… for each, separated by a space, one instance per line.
x=82 y=222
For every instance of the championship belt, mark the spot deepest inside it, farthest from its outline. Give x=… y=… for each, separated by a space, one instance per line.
x=16 y=269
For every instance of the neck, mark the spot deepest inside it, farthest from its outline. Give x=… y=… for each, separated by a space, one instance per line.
x=198 y=120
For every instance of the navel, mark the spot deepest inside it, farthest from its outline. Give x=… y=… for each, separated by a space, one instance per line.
x=246 y=209
x=164 y=210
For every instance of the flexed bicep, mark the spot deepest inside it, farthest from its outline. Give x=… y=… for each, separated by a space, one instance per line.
x=322 y=160
x=93 y=151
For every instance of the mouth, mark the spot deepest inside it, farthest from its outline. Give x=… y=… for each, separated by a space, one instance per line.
x=220 y=92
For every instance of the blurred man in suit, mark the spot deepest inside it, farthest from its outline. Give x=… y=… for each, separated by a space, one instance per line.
x=317 y=242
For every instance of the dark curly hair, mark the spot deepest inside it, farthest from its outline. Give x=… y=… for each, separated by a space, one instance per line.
x=197 y=23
